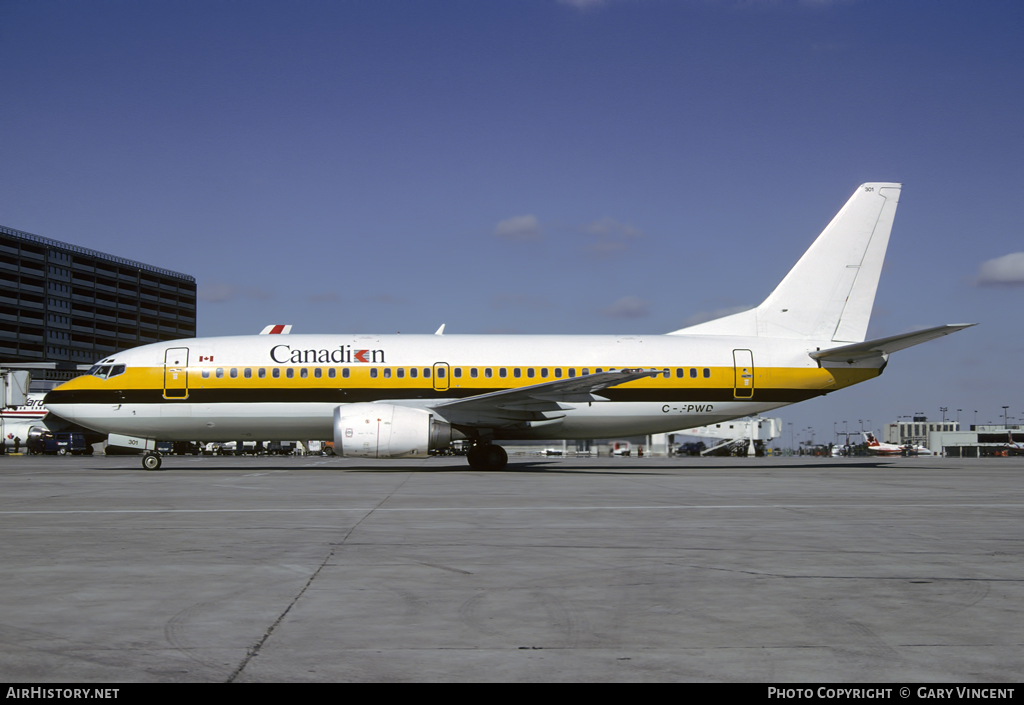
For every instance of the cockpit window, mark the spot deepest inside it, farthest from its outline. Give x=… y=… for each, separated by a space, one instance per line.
x=106 y=371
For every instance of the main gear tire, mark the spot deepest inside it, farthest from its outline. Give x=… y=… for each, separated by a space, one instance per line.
x=487 y=456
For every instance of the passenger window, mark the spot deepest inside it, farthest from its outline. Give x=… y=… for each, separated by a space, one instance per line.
x=572 y=371
x=544 y=372
x=666 y=374
x=517 y=372
x=413 y=372
x=262 y=372
x=247 y=373
x=707 y=373
x=387 y=373
x=679 y=372
x=426 y=373
x=345 y=372
x=400 y=373
x=529 y=372
x=473 y=372
x=585 y=371
x=276 y=372
x=318 y=373
x=289 y=372
x=457 y=372
x=234 y=372
x=502 y=372
x=693 y=373
x=488 y=373
x=220 y=372
x=206 y=374
x=303 y=373
x=331 y=372
x=558 y=373
x=597 y=371
x=373 y=373
x=440 y=372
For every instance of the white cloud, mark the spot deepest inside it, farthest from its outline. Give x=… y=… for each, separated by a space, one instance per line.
x=520 y=301
x=220 y=292
x=612 y=228
x=611 y=237
x=327 y=297
x=628 y=307
x=390 y=299
x=705 y=316
x=1007 y=270
x=583 y=4
x=216 y=293
x=519 y=228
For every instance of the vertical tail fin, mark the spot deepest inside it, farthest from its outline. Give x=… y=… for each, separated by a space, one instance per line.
x=829 y=293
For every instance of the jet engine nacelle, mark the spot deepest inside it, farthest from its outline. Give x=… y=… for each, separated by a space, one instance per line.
x=387 y=431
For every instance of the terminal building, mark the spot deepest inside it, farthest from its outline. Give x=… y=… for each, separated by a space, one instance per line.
x=917 y=432
x=947 y=438
x=63 y=307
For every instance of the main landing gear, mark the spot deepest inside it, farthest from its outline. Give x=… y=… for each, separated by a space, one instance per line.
x=151 y=461
x=487 y=456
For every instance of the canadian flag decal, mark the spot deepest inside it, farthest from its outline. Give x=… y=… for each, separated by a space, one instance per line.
x=206 y=358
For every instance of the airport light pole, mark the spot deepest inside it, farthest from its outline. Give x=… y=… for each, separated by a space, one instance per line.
x=943 y=409
x=1005 y=422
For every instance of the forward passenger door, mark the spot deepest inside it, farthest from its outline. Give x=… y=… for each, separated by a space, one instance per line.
x=176 y=373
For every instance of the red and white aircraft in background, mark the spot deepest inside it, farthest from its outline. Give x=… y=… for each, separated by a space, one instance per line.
x=876 y=447
x=22 y=421
x=1013 y=445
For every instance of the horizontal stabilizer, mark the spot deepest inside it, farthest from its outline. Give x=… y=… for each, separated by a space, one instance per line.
x=883 y=346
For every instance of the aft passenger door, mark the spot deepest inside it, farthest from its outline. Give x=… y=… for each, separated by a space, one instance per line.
x=743 y=367
x=176 y=373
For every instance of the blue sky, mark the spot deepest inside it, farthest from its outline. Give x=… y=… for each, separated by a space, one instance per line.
x=627 y=166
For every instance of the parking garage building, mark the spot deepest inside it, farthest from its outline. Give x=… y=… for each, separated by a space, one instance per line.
x=63 y=306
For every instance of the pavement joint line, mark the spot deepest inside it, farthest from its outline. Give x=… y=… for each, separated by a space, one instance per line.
x=255 y=650
x=15 y=512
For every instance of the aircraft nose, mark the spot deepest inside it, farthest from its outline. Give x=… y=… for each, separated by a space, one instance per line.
x=65 y=411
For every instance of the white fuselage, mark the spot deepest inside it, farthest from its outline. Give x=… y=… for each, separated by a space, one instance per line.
x=285 y=387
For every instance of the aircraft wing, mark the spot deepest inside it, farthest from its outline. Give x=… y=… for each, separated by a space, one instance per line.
x=537 y=404
x=883 y=346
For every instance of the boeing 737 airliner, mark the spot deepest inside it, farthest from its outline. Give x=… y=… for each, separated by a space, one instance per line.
x=390 y=396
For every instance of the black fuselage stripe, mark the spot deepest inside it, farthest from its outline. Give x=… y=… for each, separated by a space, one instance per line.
x=354 y=395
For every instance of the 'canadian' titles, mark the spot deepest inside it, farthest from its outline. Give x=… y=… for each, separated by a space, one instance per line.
x=343 y=354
